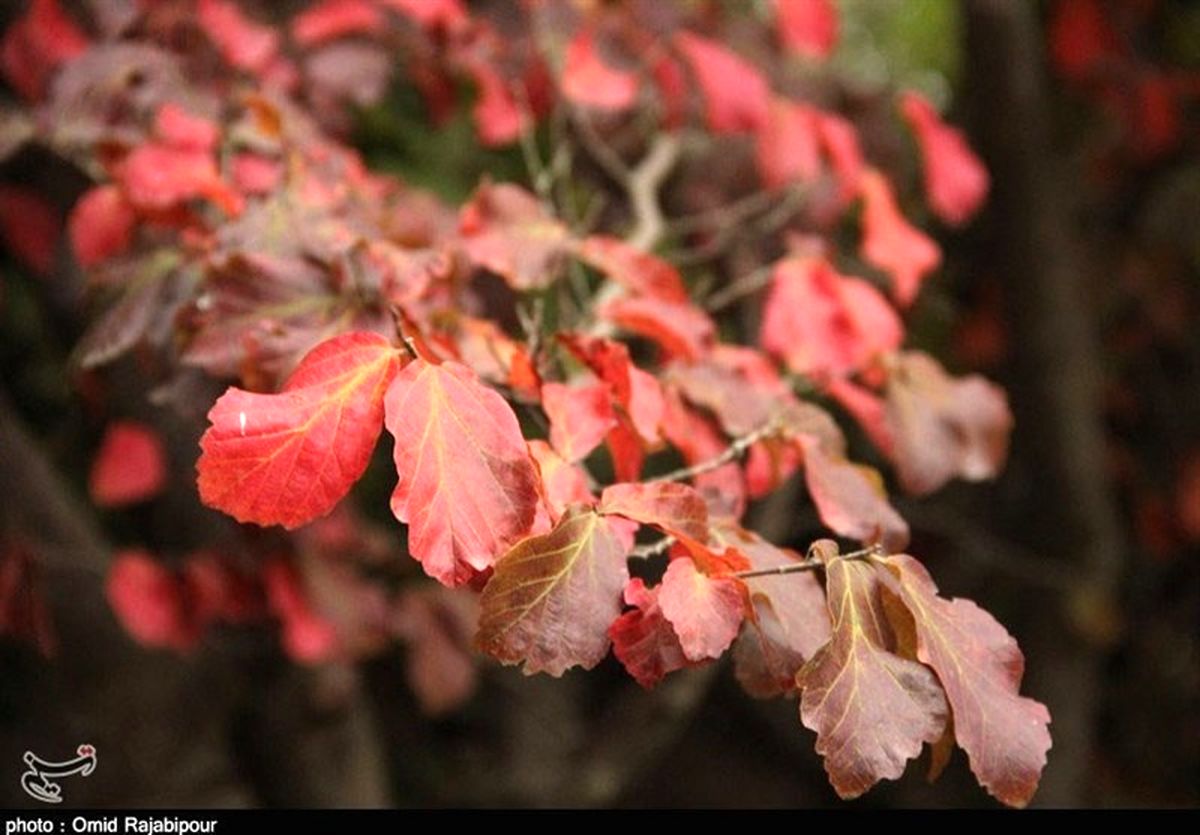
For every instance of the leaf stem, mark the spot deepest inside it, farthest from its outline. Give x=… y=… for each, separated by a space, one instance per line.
x=809 y=564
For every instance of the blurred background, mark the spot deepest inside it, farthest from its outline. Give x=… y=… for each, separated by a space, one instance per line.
x=1078 y=289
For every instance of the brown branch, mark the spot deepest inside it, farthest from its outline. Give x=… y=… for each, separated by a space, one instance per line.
x=643 y=186
x=731 y=453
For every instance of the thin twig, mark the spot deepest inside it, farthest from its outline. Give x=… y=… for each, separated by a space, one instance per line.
x=600 y=151
x=730 y=453
x=643 y=186
x=746 y=285
x=809 y=564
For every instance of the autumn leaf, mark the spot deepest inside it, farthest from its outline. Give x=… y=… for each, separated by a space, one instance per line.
x=670 y=506
x=498 y=118
x=467 y=487
x=180 y=129
x=823 y=323
x=839 y=140
x=552 y=598
x=893 y=244
x=563 y=483
x=333 y=19
x=871 y=709
x=242 y=42
x=807 y=27
x=130 y=466
x=101 y=225
x=148 y=600
x=643 y=639
x=436 y=625
x=506 y=231
x=288 y=458
x=706 y=612
x=850 y=498
x=680 y=329
x=980 y=666
x=788 y=149
x=956 y=182
x=737 y=97
x=944 y=427
x=37 y=44
x=580 y=417
x=739 y=386
x=788 y=622
x=639 y=272
x=589 y=82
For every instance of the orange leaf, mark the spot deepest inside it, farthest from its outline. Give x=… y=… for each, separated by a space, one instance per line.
x=468 y=488
x=288 y=458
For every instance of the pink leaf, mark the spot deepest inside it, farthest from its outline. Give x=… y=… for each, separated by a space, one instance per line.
x=589 y=82
x=130 y=466
x=706 y=612
x=736 y=95
x=892 y=243
x=956 y=183
x=101 y=225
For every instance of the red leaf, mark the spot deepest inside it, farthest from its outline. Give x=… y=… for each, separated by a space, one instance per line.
x=180 y=129
x=159 y=177
x=148 y=600
x=737 y=98
x=823 y=323
x=807 y=27
x=680 y=329
x=788 y=148
x=38 y=44
x=333 y=19
x=672 y=91
x=307 y=637
x=580 y=417
x=866 y=408
x=243 y=43
x=589 y=82
x=672 y=507
x=893 y=244
x=944 y=427
x=706 y=612
x=552 y=597
x=130 y=466
x=739 y=386
x=467 y=487
x=437 y=624
x=498 y=119
x=101 y=225
x=788 y=622
x=255 y=174
x=980 y=666
x=564 y=483
x=871 y=709
x=956 y=183
x=638 y=393
x=642 y=638
x=850 y=498
x=1081 y=38
x=434 y=15
x=288 y=458
x=840 y=141
x=505 y=230
x=30 y=227
x=639 y=272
